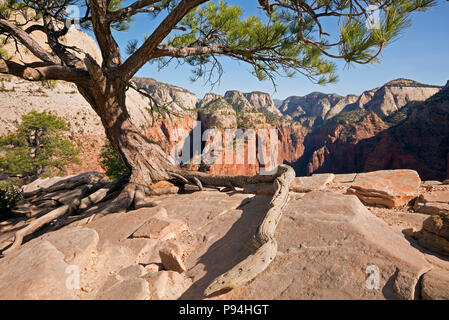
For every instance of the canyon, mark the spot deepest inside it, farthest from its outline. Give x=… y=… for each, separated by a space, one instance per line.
x=370 y=197
x=402 y=124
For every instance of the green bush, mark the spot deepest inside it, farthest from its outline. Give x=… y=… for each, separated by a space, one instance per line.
x=112 y=162
x=10 y=195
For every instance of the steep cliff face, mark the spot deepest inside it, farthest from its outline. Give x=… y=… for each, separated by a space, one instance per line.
x=332 y=147
x=316 y=104
x=262 y=101
x=252 y=102
x=420 y=142
x=393 y=96
x=416 y=140
x=219 y=114
x=384 y=101
x=175 y=98
x=243 y=157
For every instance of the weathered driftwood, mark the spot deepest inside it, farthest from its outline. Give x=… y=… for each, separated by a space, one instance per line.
x=264 y=240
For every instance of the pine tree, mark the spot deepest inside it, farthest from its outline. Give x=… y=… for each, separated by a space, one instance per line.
x=288 y=38
x=38 y=148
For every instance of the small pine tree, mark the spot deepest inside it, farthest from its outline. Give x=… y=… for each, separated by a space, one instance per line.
x=39 y=147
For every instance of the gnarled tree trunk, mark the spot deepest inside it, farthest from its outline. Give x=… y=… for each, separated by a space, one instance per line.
x=147 y=161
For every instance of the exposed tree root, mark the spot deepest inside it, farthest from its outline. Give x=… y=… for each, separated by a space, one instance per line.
x=209 y=180
x=134 y=193
x=64 y=211
x=69 y=183
x=38 y=223
x=264 y=240
x=102 y=193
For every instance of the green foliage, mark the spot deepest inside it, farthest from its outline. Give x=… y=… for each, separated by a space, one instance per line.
x=122 y=25
x=112 y=162
x=269 y=48
x=37 y=148
x=291 y=40
x=10 y=195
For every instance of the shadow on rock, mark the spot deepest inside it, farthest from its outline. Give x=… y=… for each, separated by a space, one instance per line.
x=229 y=250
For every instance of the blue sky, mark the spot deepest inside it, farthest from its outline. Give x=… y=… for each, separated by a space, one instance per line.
x=421 y=54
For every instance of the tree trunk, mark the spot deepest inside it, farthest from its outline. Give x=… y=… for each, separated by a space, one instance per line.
x=146 y=160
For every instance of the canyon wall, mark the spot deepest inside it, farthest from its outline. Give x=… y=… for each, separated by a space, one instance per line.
x=403 y=124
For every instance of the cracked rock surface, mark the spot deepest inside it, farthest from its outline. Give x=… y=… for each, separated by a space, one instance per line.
x=329 y=243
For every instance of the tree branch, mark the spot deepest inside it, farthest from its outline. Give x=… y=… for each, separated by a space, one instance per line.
x=136 y=7
x=102 y=29
x=143 y=54
x=28 y=41
x=36 y=72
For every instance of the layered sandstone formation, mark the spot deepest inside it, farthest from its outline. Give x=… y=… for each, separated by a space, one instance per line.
x=316 y=104
x=415 y=137
x=384 y=128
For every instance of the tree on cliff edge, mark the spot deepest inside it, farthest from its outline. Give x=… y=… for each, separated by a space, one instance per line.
x=288 y=38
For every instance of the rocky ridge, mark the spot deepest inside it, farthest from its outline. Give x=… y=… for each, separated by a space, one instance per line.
x=415 y=137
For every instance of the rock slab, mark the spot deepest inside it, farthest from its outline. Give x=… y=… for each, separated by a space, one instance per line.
x=389 y=188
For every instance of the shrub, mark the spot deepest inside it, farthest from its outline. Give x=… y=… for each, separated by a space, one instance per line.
x=112 y=162
x=10 y=195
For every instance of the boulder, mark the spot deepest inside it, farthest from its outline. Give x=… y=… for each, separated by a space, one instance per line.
x=167 y=285
x=153 y=267
x=435 y=285
x=78 y=245
x=389 y=188
x=163 y=187
x=312 y=183
x=143 y=249
x=434 y=234
x=133 y=271
x=434 y=202
x=36 y=271
x=172 y=258
x=130 y=289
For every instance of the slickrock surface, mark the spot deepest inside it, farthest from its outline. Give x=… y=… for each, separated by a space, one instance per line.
x=315 y=182
x=331 y=246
